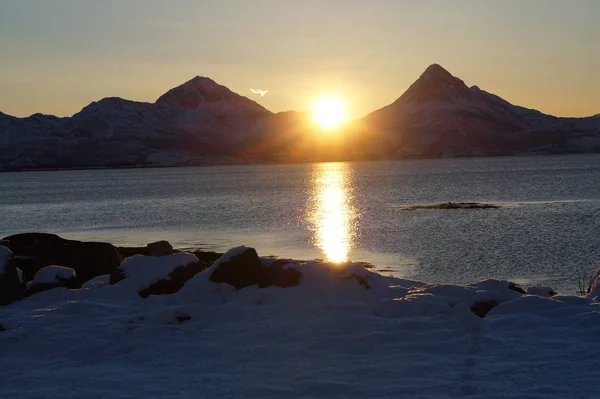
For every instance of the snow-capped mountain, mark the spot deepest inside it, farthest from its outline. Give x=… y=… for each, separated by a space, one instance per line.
x=439 y=115
x=201 y=121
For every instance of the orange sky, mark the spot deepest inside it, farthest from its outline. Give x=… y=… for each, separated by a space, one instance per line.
x=59 y=56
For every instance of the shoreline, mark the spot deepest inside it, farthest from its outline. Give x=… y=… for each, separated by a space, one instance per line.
x=250 y=163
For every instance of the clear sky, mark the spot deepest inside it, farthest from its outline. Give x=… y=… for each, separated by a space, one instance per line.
x=56 y=56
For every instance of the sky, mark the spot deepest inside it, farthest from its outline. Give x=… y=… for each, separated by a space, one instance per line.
x=58 y=56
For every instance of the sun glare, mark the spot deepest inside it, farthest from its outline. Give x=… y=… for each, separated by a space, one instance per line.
x=329 y=112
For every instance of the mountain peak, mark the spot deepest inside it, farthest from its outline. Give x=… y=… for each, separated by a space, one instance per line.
x=201 y=92
x=436 y=71
x=435 y=83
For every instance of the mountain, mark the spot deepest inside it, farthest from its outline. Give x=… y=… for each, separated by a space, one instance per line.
x=197 y=122
x=439 y=115
x=202 y=122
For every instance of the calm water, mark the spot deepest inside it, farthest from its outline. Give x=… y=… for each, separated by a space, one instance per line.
x=547 y=229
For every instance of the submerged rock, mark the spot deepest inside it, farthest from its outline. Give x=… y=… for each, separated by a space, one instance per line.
x=241 y=267
x=34 y=251
x=54 y=276
x=453 y=205
x=11 y=287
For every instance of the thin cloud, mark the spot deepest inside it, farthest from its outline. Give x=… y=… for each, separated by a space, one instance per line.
x=259 y=92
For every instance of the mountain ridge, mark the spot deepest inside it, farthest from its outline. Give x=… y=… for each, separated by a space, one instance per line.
x=201 y=121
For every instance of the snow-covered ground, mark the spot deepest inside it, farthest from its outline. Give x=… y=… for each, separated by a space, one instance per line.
x=342 y=332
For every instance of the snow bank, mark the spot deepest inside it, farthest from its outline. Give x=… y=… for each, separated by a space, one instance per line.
x=53 y=275
x=96 y=282
x=343 y=331
x=5 y=257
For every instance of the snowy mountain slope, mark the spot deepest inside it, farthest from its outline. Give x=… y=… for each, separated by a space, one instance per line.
x=440 y=115
x=199 y=118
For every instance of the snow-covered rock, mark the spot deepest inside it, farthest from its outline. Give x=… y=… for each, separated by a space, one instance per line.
x=155 y=275
x=88 y=259
x=53 y=276
x=241 y=267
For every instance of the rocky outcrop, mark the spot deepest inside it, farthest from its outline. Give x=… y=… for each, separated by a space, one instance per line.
x=11 y=287
x=34 y=251
x=241 y=268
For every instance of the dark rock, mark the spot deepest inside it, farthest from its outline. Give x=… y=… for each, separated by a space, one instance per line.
x=452 y=205
x=2 y=328
x=57 y=281
x=11 y=287
x=515 y=287
x=36 y=250
x=246 y=269
x=481 y=308
x=127 y=252
x=182 y=318
x=159 y=248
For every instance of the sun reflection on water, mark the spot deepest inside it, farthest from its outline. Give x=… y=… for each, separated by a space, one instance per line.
x=331 y=214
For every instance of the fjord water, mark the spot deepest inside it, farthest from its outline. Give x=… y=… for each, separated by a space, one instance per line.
x=545 y=231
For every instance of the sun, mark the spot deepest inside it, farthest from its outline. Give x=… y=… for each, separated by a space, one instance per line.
x=329 y=112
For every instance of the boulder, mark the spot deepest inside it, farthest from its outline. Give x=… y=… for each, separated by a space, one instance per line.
x=159 y=248
x=54 y=276
x=241 y=267
x=11 y=287
x=157 y=275
x=36 y=250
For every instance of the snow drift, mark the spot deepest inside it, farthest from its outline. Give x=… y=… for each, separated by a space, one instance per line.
x=341 y=331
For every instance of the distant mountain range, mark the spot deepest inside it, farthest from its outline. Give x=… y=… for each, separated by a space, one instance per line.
x=202 y=122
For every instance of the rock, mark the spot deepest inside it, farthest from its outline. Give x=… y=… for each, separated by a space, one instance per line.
x=159 y=248
x=481 y=308
x=11 y=287
x=241 y=267
x=157 y=275
x=174 y=281
x=54 y=276
x=515 y=287
x=36 y=250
